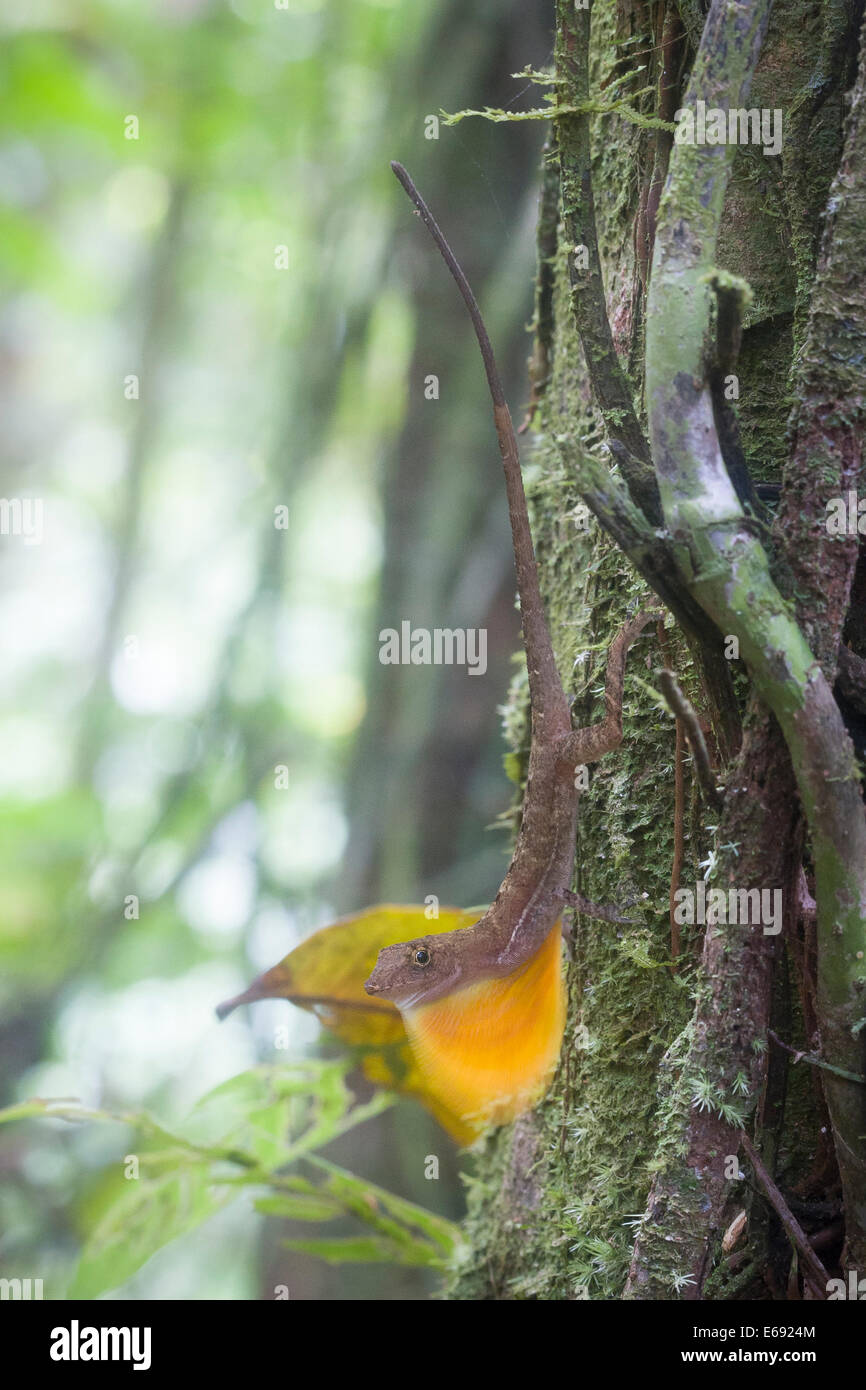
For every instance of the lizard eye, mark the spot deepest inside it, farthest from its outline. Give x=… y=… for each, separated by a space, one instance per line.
x=422 y=956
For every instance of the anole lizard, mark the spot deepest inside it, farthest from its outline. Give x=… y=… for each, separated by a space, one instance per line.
x=484 y=1006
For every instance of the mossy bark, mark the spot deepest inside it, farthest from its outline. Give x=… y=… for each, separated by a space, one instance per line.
x=659 y=1069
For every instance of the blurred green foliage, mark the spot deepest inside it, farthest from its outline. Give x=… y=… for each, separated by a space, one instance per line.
x=204 y=328
x=241 y=1137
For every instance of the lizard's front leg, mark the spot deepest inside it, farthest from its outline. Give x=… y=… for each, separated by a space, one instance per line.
x=590 y=744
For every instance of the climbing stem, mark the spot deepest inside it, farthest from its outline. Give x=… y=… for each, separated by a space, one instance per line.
x=726 y=567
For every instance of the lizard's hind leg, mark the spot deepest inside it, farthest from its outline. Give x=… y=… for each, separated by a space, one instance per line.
x=589 y=744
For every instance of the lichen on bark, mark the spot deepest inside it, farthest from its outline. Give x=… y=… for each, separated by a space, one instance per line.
x=550 y=1200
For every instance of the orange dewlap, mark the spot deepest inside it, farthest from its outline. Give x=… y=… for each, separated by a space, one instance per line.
x=488 y=1051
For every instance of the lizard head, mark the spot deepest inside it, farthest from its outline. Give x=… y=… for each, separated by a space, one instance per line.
x=484 y=1043
x=416 y=972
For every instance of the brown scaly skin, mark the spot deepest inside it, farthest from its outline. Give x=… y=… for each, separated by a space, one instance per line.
x=533 y=892
x=532 y=895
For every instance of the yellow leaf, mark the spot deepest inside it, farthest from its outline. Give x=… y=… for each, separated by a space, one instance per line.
x=326 y=975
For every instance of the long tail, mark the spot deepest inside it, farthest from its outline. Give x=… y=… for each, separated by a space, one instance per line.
x=544 y=684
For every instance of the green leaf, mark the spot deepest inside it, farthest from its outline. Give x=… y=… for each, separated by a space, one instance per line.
x=363 y=1250
x=274 y=1114
x=149 y=1214
x=365 y=1200
x=299 y=1206
x=330 y=1125
x=236 y=1137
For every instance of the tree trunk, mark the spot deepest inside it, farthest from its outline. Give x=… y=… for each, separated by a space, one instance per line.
x=677 y=1078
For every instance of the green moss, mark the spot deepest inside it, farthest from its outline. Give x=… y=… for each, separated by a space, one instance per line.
x=765 y=405
x=616 y=1113
x=597 y=1131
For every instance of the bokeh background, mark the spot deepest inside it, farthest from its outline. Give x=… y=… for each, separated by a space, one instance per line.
x=231 y=313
